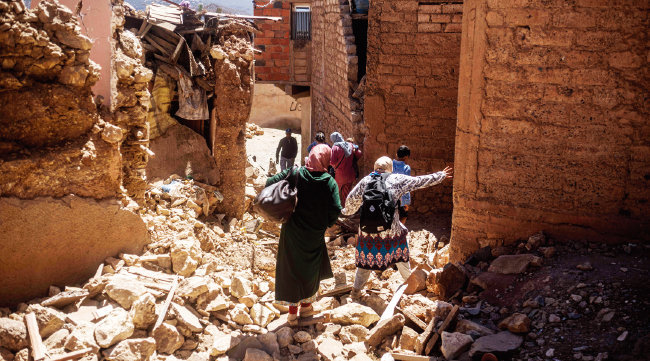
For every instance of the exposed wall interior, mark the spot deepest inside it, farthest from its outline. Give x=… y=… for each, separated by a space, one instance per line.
x=553 y=123
x=411 y=88
x=61 y=159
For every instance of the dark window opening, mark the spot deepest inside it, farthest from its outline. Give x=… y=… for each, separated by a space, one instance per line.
x=360 y=29
x=301 y=23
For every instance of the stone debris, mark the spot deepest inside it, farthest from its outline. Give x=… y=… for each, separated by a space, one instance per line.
x=223 y=304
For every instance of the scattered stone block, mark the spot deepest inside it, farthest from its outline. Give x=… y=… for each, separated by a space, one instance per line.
x=384 y=329
x=502 y=342
x=517 y=323
x=354 y=314
x=143 y=311
x=168 y=339
x=117 y=326
x=454 y=343
x=513 y=264
x=135 y=349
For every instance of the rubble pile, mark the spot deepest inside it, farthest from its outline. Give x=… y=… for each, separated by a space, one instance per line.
x=203 y=290
x=253 y=130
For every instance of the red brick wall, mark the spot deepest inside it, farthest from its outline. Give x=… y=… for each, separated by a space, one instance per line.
x=411 y=98
x=274 y=39
x=553 y=127
x=334 y=68
x=281 y=61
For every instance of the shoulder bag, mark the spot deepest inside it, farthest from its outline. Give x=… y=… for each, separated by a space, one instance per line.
x=277 y=202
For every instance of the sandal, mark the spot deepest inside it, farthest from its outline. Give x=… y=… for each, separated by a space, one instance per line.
x=307 y=311
x=292 y=319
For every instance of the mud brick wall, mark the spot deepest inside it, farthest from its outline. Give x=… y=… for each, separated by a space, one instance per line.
x=334 y=69
x=553 y=128
x=411 y=95
x=61 y=156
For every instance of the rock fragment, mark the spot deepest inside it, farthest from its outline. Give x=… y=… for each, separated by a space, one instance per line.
x=117 y=326
x=502 y=342
x=454 y=344
x=513 y=264
x=384 y=329
x=135 y=349
x=168 y=339
x=13 y=334
x=354 y=314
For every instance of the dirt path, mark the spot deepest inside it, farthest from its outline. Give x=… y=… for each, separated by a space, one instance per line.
x=263 y=147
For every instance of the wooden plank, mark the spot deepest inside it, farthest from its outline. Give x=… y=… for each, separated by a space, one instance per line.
x=165 y=307
x=158 y=276
x=390 y=309
x=412 y=357
x=156 y=45
x=163 y=42
x=236 y=16
x=38 y=349
x=337 y=291
x=71 y=355
x=450 y=317
x=99 y=271
x=415 y=319
x=177 y=51
x=424 y=337
x=65 y=298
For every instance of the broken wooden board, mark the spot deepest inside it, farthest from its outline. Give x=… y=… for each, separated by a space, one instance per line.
x=156 y=276
x=337 y=291
x=170 y=14
x=411 y=357
x=235 y=16
x=390 y=309
x=165 y=307
x=415 y=319
x=35 y=341
x=424 y=337
x=450 y=317
x=71 y=355
x=65 y=298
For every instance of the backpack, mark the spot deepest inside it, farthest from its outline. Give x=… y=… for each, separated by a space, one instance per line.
x=378 y=208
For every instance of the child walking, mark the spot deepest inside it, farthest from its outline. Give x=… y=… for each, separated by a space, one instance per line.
x=400 y=167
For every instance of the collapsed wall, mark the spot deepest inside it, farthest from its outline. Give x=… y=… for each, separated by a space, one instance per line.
x=552 y=123
x=412 y=89
x=130 y=102
x=60 y=160
x=233 y=67
x=334 y=75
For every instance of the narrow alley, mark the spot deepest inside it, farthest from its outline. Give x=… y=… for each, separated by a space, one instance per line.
x=137 y=141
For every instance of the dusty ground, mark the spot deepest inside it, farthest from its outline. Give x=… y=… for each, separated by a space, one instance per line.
x=263 y=147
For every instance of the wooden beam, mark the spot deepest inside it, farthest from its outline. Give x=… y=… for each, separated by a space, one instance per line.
x=390 y=309
x=71 y=355
x=156 y=45
x=411 y=357
x=236 y=16
x=337 y=291
x=424 y=337
x=177 y=51
x=450 y=317
x=165 y=307
x=38 y=349
x=415 y=319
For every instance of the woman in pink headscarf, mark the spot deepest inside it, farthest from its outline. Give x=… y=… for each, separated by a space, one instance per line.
x=302 y=260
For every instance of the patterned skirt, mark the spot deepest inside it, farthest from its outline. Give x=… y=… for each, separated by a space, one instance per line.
x=375 y=252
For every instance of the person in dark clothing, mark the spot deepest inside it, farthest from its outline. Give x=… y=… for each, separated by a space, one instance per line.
x=302 y=260
x=289 y=147
x=318 y=139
